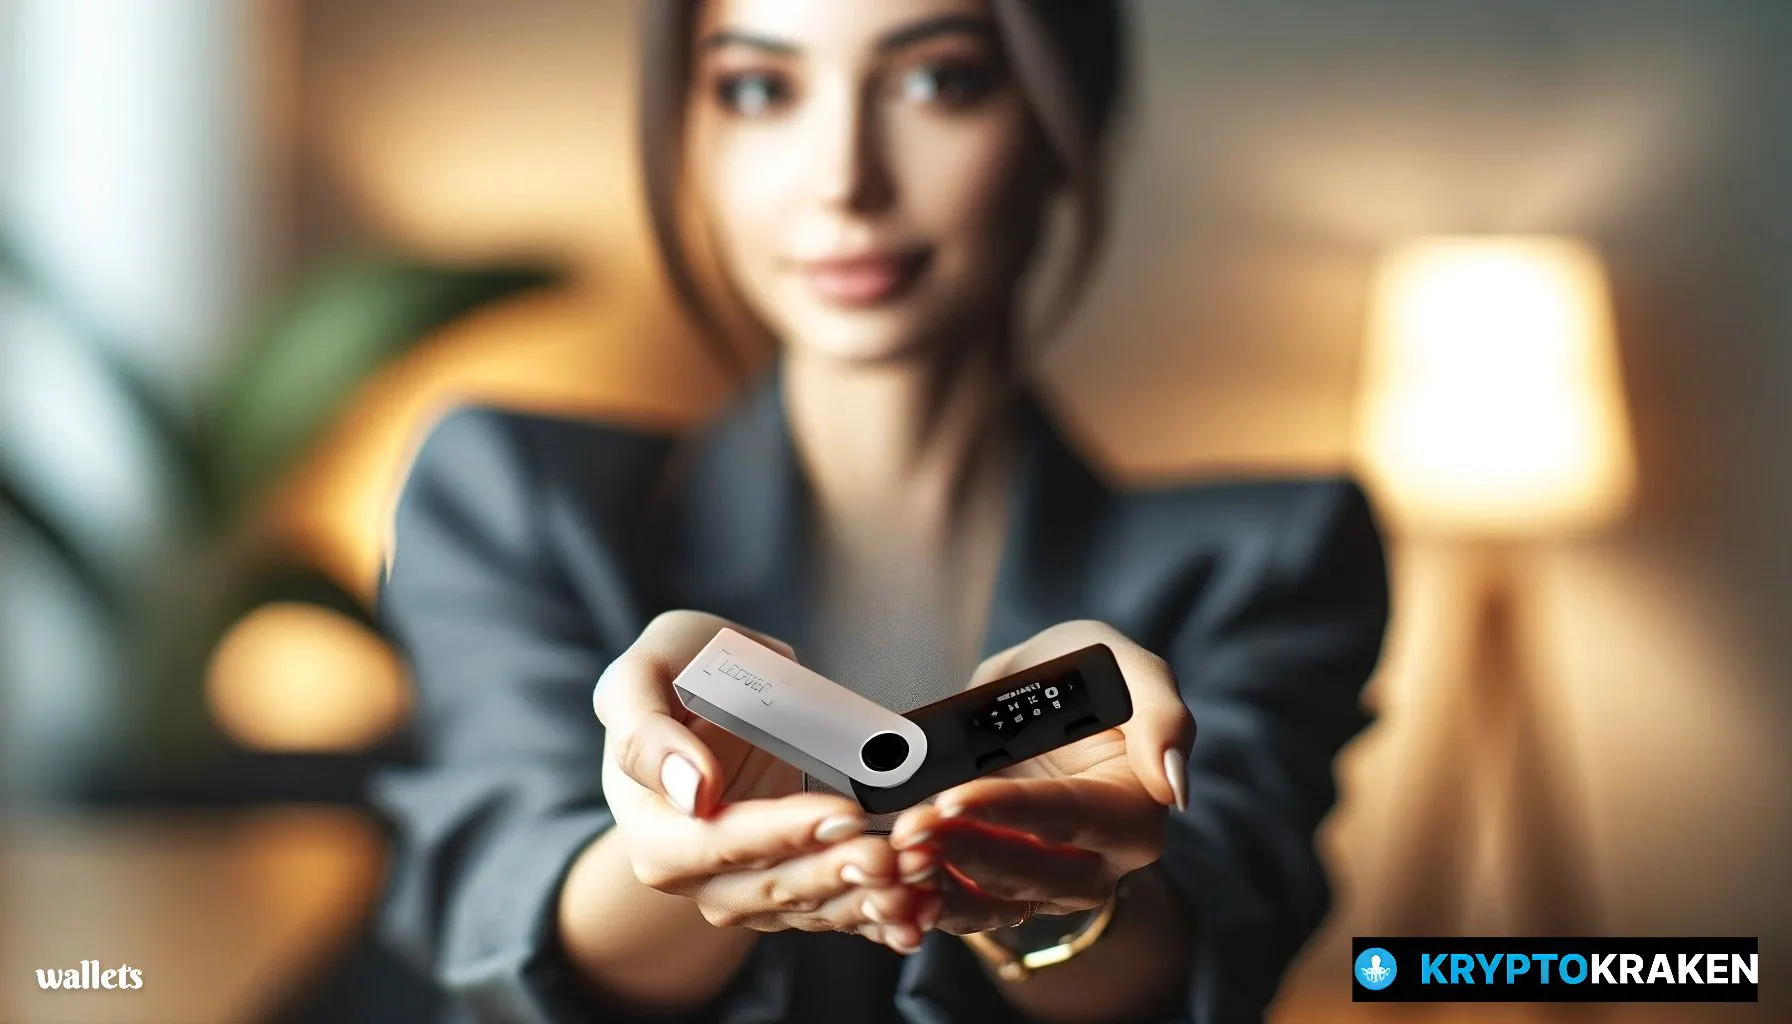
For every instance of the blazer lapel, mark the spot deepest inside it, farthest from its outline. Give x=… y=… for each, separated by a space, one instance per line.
x=1054 y=503
x=737 y=519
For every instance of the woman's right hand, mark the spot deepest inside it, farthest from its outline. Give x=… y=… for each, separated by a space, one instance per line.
x=710 y=817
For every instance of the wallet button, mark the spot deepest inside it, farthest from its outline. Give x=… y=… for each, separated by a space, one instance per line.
x=995 y=759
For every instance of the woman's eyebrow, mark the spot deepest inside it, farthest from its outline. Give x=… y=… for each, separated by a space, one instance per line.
x=908 y=35
x=945 y=24
x=727 y=37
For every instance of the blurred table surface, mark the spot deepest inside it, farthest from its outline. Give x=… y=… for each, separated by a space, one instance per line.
x=227 y=915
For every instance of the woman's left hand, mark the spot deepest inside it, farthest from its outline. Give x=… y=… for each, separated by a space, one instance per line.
x=1054 y=834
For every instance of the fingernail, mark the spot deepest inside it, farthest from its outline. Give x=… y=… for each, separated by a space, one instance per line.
x=920 y=874
x=1176 y=770
x=951 y=810
x=869 y=909
x=852 y=874
x=838 y=827
x=679 y=779
x=917 y=839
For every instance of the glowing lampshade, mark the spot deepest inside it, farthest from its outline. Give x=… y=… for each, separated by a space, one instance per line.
x=1492 y=402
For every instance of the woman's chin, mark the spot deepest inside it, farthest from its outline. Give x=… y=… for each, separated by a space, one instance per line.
x=859 y=340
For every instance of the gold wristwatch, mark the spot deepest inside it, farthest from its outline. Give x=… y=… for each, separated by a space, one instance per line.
x=1017 y=951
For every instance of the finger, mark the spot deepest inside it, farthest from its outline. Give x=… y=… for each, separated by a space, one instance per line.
x=890 y=911
x=912 y=835
x=1161 y=729
x=643 y=719
x=893 y=915
x=894 y=911
x=674 y=852
x=903 y=933
x=919 y=867
x=964 y=910
x=803 y=884
x=1011 y=867
x=931 y=905
x=915 y=826
x=1086 y=811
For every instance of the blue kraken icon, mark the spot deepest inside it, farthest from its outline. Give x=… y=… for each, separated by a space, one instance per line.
x=1375 y=968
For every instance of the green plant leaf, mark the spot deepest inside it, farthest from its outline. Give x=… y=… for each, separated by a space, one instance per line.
x=306 y=360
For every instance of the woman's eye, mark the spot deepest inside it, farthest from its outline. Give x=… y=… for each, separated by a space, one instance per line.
x=752 y=94
x=948 y=83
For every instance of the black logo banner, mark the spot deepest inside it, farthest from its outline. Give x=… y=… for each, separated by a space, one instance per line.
x=1407 y=969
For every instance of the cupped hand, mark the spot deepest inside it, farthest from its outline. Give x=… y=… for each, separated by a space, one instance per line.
x=1054 y=834
x=708 y=816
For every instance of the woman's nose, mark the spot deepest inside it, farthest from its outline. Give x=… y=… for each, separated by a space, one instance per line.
x=848 y=169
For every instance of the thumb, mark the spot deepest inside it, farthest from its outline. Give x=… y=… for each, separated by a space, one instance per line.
x=652 y=747
x=642 y=716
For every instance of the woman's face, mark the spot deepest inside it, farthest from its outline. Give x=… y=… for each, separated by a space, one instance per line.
x=868 y=169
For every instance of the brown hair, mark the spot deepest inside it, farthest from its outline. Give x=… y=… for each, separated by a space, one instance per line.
x=1068 y=56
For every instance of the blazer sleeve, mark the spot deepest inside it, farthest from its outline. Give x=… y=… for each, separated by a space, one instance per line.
x=1272 y=658
x=507 y=790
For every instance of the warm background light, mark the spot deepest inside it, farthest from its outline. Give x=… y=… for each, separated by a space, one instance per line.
x=560 y=352
x=293 y=677
x=1492 y=396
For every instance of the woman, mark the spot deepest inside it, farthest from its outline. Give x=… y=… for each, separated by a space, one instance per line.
x=869 y=182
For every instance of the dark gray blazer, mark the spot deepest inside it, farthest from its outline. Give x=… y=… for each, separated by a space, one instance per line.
x=531 y=550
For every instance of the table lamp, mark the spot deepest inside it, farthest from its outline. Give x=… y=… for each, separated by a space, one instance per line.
x=1493 y=418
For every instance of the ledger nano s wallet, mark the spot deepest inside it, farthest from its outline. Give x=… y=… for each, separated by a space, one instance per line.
x=889 y=761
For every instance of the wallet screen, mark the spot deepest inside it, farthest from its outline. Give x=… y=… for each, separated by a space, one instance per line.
x=1041 y=700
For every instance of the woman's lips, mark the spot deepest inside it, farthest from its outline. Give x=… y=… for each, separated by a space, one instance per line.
x=862 y=280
